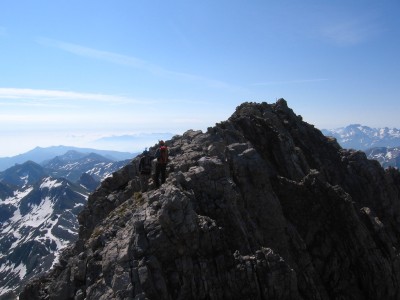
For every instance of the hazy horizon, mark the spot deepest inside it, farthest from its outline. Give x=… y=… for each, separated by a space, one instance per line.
x=123 y=143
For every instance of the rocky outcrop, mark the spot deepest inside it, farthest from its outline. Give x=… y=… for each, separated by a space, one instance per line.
x=261 y=206
x=88 y=182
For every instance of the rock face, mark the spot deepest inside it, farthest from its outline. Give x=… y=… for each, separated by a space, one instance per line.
x=261 y=206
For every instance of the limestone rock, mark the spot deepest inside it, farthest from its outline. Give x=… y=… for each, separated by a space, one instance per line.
x=261 y=206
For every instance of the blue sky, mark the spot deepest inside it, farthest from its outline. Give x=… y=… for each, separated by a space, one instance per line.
x=73 y=72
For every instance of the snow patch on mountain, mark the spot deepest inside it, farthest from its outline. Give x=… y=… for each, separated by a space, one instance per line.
x=43 y=222
x=386 y=156
x=39 y=205
x=362 y=137
x=18 y=195
x=37 y=216
x=50 y=183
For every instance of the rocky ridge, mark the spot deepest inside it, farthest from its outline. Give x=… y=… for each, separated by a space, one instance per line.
x=261 y=206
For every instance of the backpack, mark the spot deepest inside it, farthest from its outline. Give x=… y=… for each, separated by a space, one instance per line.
x=145 y=163
x=163 y=159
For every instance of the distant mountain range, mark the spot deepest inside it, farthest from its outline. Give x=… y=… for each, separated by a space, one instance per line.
x=40 y=155
x=381 y=144
x=73 y=164
x=37 y=221
x=387 y=157
x=39 y=204
x=361 y=137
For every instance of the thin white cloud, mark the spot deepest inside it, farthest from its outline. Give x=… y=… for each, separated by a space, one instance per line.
x=350 y=32
x=41 y=96
x=99 y=54
x=283 y=82
x=72 y=119
x=41 y=106
x=26 y=97
x=133 y=62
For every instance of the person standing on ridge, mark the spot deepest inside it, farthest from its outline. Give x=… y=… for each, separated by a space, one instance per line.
x=145 y=170
x=161 y=165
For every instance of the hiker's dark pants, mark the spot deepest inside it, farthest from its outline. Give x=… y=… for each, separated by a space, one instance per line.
x=144 y=182
x=161 y=169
